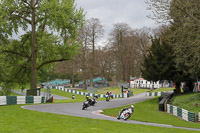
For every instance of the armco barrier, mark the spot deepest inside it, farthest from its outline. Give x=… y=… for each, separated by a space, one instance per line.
x=154 y=93
x=10 y=100
x=3 y=100
x=62 y=88
x=182 y=113
x=199 y=117
x=164 y=99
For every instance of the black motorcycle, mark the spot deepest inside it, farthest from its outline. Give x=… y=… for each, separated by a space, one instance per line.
x=94 y=100
x=85 y=105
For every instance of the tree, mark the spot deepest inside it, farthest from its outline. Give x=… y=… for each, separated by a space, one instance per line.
x=47 y=32
x=105 y=62
x=118 y=36
x=95 y=31
x=67 y=70
x=159 y=63
x=142 y=42
x=83 y=56
x=128 y=47
x=5 y=82
x=160 y=10
x=185 y=29
x=183 y=34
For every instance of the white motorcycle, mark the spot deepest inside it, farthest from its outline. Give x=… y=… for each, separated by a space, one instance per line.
x=126 y=113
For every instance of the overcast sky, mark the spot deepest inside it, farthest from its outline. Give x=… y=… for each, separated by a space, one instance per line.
x=132 y=12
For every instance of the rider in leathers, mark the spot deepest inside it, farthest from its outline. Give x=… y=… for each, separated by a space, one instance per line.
x=132 y=107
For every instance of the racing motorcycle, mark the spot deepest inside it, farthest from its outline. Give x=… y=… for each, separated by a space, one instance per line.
x=94 y=100
x=125 y=113
x=85 y=105
x=107 y=97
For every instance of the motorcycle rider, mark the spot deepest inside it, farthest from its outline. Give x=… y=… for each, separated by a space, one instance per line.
x=95 y=97
x=132 y=108
x=88 y=99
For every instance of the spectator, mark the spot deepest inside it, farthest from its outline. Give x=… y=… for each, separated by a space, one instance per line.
x=111 y=95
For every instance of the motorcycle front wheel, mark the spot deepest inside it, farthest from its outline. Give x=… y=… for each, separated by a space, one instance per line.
x=83 y=107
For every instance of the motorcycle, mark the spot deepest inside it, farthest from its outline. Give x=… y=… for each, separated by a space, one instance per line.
x=125 y=114
x=107 y=97
x=85 y=105
x=94 y=101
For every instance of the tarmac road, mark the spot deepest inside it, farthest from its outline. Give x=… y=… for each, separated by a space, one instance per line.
x=75 y=109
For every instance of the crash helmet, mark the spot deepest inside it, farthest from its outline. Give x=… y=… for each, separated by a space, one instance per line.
x=132 y=106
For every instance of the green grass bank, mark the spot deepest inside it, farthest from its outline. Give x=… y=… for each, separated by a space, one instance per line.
x=147 y=111
x=190 y=102
x=14 y=119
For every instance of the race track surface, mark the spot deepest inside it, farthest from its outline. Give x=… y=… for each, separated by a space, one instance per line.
x=75 y=109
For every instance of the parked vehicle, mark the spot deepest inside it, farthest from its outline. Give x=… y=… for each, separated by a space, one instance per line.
x=126 y=113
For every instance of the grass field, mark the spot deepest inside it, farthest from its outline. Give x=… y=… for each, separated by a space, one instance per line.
x=163 y=89
x=14 y=119
x=148 y=111
x=116 y=90
x=12 y=94
x=78 y=98
x=190 y=102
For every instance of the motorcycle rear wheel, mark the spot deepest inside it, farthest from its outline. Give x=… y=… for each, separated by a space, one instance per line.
x=126 y=116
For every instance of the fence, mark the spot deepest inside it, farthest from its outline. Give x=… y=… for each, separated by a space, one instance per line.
x=62 y=88
x=155 y=93
x=199 y=117
x=146 y=86
x=181 y=113
x=10 y=100
x=176 y=111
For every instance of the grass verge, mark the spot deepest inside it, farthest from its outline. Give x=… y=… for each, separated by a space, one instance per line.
x=14 y=119
x=14 y=94
x=78 y=98
x=11 y=94
x=163 y=89
x=116 y=90
x=190 y=102
x=147 y=111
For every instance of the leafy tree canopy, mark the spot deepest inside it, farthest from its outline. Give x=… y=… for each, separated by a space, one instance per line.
x=46 y=32
x=159 y=62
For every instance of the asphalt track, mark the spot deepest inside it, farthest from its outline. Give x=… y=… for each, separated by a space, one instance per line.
x=75 y=109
